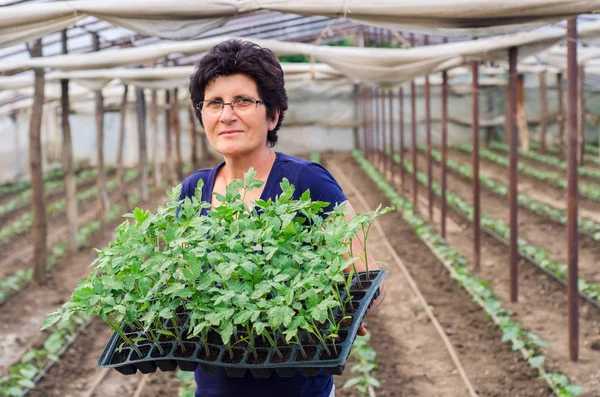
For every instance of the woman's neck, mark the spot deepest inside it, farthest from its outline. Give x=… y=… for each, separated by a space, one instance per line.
x=236 y=166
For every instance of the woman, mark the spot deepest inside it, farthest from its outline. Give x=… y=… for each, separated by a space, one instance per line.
x=239 y=95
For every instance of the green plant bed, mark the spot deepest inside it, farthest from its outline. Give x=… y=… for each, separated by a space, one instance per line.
x=547 y=160
x=586 y=226
x=590 y=191
x=276 y=269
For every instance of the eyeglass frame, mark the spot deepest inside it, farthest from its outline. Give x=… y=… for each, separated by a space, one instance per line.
x=230 y=103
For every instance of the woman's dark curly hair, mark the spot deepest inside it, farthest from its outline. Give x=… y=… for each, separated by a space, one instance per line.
x=237 y=56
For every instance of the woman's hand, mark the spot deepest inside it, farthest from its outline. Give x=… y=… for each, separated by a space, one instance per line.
x=362 y=331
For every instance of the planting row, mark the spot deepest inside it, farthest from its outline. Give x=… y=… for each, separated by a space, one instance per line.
x=24 y=198
x=586 y=226
x=36 y=362
x=10 y=188
x=522 y=340
x=25 y=222
x=276 y=269
x=590 y=191
x=547 y=160
x=498 y=229
x=11 y=285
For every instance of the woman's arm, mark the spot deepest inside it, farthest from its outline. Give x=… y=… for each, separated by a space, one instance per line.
x=357 y=248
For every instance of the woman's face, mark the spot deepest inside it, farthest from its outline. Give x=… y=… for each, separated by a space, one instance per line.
x=232 y=133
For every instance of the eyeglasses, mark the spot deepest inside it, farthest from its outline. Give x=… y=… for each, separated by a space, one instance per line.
x=239 y=105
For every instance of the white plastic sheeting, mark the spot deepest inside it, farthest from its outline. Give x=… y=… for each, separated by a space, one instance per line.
x=184 y=19
x=374 y=65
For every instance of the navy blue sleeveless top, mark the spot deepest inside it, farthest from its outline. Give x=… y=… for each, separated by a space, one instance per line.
x=304 y=175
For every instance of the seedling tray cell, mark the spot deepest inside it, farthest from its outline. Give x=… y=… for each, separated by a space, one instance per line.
x=127 y=361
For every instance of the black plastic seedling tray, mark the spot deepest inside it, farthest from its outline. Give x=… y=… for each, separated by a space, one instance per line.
x=127 y=361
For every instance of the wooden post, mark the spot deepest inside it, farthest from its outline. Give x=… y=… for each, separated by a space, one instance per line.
x=572 y=193
x=363 y=97
x=356 y=117
x=383 y=133
x=521 y=116
x=413 y=116
x=580 y=115
x=444 y=149
x=193 y=135
x=543 y=110
x=168 y=146
x=154 y=125
x=38 y=206
x=102 y=201
x=489 y=131
x=67 y=157
x=377 y=129
x=140 y=110
x=177 y=132
x=561 y=113
x=475 y=154
x=391 y=156
x=506 y=112
x=121 y=147
x=512 y=175
x=401 y=150
x=430 y=196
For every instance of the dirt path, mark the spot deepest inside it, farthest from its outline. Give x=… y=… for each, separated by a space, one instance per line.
x=542 y=305
x=491 y=365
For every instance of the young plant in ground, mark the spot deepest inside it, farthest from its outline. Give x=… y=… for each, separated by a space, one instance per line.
x=364 y=355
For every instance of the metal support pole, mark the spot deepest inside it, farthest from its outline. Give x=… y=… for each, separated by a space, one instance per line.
x=513 y=141
x=391 y=157
x=475 y=152
x=444 y=149
x=413 y=115
x=430 y=196
x=572 y=193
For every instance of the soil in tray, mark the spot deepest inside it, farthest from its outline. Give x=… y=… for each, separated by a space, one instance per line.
x=189 y=350
x=166 y=347
x=167 y=338
x=342 y=335
x=351 y=307
x=212 y=356
x=214 y=338
x=363 y=277
x=334 y=354
x=286 y=353
x=259 y=341
x=180 y=321
x=120 y=357
x=309 y=339
x=261 y=357
x=238 y=356
x=310 y=352
x=363 y=286
x=346 y=323
x=357 y=295
x=143 y=349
